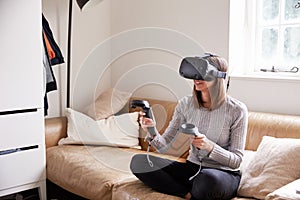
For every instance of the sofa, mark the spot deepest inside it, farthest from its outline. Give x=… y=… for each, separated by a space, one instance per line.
x=270 y=168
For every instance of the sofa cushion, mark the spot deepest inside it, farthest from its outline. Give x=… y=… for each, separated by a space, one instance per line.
x=247 y=158
x=91 y=171
x=121 y=130
x=275 y=164
x=135 y=189
x=288 y=191
x=88 y=171
x=108 y=103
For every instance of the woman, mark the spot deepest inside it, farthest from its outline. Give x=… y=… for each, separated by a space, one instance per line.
x=212 y=167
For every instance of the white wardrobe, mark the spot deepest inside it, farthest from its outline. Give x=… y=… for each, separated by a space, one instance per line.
x=22 y=140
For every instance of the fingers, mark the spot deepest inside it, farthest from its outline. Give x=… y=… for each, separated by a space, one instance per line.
x=141 y=117
x=142 y=113
x=200 y=136
x=145 y=122
x=199 y=141
x=202 y=142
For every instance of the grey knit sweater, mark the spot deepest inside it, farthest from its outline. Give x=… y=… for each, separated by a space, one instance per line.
x=225 y=126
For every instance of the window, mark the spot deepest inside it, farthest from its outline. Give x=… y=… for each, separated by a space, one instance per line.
x=271 y=34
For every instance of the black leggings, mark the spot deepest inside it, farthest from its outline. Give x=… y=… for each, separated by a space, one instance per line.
x=172 y=177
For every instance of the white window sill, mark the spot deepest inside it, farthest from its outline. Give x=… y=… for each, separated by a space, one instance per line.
x=274 y=76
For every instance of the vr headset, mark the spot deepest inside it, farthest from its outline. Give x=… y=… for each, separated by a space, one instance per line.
x=199 y=68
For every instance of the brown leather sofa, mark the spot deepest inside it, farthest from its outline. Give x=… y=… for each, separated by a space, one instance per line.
x=107 y=183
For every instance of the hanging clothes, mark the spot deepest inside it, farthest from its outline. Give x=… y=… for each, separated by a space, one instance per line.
x=50 y=51
x=51 y=56
x=58 y=59
x=49 y=79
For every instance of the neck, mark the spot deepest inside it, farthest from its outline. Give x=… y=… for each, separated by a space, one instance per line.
x=205 y=96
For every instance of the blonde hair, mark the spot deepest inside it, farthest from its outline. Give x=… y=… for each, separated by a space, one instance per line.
x=217 y=90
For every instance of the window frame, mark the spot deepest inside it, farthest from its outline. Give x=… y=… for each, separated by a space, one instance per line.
x=246 y=32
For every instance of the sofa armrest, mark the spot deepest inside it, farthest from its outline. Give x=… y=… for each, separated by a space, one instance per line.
x=55 y=129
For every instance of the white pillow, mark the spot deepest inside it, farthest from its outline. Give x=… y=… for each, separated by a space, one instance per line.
x=247 y=158
x=287 y=192
x=120 y=131
x=108 y=103
x=275 y=164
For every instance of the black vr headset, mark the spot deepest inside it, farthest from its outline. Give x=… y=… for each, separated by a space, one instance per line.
x=199 y=68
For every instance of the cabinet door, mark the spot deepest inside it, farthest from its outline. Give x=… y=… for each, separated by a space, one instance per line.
x=22 y=130
x=21 y=69
x=22 y=147
x=22 y=168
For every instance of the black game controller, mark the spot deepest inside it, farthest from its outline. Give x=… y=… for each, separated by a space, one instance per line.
x=147 y=110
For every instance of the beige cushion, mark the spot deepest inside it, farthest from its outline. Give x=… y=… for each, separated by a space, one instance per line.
x=247 y=158
x=108 y=103
x=136 y=190
x=88 y=171
x=93 y=171
x=121 y=130
x=287 y=192
x=275 y=164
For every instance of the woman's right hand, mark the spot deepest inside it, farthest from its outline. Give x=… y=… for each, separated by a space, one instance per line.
x=146 y=122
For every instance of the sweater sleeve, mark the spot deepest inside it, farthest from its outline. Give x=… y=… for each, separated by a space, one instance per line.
x=233 y=156
x=163 y=142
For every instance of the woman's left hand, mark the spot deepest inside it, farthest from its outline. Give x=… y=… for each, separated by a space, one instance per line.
x=201 y=142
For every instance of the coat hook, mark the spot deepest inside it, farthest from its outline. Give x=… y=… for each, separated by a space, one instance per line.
x=297 y=5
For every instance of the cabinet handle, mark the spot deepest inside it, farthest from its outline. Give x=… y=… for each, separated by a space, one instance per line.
x=10 y=112
x=9 y=151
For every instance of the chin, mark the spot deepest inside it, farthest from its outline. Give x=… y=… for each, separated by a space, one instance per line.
x=199 y=88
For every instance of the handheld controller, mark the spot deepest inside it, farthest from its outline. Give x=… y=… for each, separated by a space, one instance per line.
x=189 y=129
x=147 y=110
x=148 y=113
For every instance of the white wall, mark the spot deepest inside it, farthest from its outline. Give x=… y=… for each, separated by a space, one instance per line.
x=89 y=28
x=136 y=45
x=180 y=25
x=267 y=95
x=180 y=29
